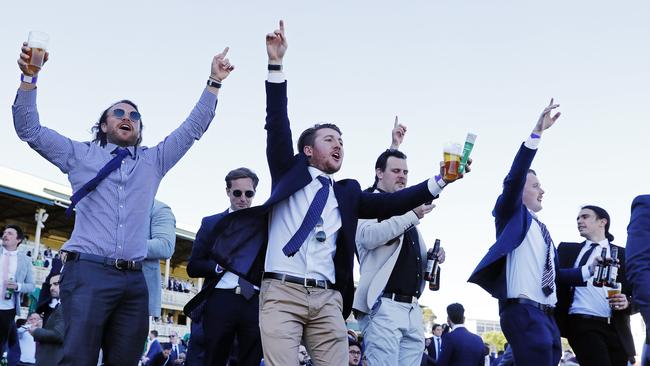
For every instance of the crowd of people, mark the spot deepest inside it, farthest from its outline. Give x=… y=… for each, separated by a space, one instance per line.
x=177 y=285
x=279 y=276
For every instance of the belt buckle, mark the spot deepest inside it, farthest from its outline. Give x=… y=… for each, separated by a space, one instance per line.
x=238 y=290
x=118 y=263
x=321 y=284
x=306 y=282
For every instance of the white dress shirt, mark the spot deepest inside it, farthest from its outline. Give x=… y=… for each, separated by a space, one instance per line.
x=591 y=300
x=525 y=266
x=314 y=259
x=13 y=264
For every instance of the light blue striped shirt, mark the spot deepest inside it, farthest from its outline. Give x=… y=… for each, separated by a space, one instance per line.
x=113 y=220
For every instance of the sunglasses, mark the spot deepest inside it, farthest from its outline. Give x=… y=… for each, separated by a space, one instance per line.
x=238 y=193
x=320 y=233
x=119 y=113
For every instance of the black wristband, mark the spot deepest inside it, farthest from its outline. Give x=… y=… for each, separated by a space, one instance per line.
x=214 y=83
x=275 y=67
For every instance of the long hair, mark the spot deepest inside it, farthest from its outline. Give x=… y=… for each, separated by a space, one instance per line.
x=100 y=136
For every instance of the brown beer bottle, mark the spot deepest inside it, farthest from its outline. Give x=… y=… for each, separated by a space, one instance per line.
x=612 y=269
x=601 y=269
x=432 y=273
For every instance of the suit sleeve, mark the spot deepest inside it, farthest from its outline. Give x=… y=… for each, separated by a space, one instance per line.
x=372 y=234
x=279 y=149
x=52 y=334
x=163 y=232
x=513 y=185
x=201 y=263
x=27 y=287
x=387 y=205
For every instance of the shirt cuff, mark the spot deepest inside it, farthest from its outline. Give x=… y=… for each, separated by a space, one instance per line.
x=533 y=141
x=585 y=273
x=434 y=186
x=208 y=98
x=18 y=287
x=25 y=97
x=276 y=77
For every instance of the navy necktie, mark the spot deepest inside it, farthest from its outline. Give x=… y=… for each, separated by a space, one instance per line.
x=246 y=288
x=548 y=275
x=587 y=254
x=311 y=218
x=120 y=154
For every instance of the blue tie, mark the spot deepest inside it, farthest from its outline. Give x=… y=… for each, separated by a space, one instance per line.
x=548 y=276
x=311 y=218
x=120 y=154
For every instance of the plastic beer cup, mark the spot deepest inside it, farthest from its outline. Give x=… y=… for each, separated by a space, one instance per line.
x=38 y=42
x=451 y=155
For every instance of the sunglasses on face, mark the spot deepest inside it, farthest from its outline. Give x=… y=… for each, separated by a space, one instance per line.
x=238 y=193
x=119 y=113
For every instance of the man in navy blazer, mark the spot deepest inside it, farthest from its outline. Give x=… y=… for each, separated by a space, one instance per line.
x=521 y=269
x=301 y=240
x=638 y=262
x=232 y=308
x=460 y=347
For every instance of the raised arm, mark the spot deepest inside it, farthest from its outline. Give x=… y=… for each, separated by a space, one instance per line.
x=279 y=149
x=397 y=135
x=513 y=185
x=174 y=146
x=163 y=232
x=59 y=150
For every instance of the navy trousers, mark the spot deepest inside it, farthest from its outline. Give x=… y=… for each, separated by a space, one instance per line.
x=532 y=335
x=226 y=315
x=103 y=307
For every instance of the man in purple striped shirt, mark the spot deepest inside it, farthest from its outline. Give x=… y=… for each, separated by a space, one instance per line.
x=103 y=292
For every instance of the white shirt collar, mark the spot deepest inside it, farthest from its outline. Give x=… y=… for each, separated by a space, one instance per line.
x=11 y=253
x=603 y=243
x=454 y=326
x=315 y=172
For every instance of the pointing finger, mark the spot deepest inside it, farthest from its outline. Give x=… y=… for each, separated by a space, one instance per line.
x=396 y=122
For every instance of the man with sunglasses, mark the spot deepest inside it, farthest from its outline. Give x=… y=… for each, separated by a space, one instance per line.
x=393 y=258
x=232 y=306
x=114 y=180
x=299 y=245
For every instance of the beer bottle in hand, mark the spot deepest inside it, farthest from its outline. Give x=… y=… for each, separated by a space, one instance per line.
x=9 y=291
x=432 y=273
x=612 y=269
x=600 y=270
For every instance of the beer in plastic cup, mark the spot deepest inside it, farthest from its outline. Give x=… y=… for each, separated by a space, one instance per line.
x=38 y=42
x=452 y=153
x=613 y=291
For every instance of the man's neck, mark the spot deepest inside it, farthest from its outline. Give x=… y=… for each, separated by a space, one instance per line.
x=596 y=238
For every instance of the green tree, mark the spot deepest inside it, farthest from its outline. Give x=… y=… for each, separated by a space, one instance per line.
x=495 y=339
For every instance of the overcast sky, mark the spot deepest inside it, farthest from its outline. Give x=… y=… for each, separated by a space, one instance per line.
x=445 y=67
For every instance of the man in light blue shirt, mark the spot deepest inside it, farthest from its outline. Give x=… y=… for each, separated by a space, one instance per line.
x=114 y=181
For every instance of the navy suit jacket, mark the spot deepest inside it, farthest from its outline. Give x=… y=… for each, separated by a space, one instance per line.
x=154 y=349
x=240 y=238
x=512 y=220
x=201 y=263
x=462 y=348
x=568 y=254
x=638 y=254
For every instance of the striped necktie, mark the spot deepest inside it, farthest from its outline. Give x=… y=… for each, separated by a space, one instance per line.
x=548 y=274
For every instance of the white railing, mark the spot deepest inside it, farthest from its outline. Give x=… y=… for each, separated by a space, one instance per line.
x=175 y=300
x=164 y=330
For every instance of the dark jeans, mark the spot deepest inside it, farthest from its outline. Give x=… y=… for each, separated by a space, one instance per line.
x=103 y=307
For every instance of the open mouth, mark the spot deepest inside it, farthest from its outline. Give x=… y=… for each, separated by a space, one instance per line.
x=336 y=156
x=125 y=127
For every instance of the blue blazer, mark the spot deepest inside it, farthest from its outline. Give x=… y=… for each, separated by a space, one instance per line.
x=154 y=349
x=240 y=238
x=462 y=348
x=637 y=251
x=512 y=220
x=201 y=262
